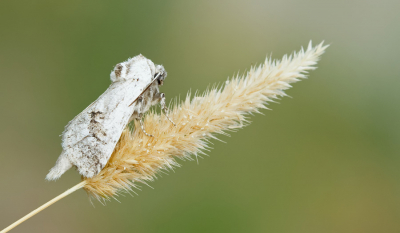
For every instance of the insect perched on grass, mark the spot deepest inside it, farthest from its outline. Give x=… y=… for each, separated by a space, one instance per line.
x=90 y=138
x=138 y=158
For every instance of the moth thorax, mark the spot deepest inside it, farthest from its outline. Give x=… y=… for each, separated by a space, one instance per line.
x=117 y=73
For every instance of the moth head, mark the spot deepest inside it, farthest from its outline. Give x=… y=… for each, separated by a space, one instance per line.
x=160 y=74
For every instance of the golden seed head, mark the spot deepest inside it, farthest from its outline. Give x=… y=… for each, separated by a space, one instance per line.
x=138 y=158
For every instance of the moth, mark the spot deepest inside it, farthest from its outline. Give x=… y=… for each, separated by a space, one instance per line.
x=90 y=138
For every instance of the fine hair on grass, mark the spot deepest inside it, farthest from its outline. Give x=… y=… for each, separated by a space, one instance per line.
x=138 y=158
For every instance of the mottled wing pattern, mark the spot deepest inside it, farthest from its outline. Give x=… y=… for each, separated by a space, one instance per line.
x=89 y=139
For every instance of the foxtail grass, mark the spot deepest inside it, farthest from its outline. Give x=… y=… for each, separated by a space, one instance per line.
x=138 y=158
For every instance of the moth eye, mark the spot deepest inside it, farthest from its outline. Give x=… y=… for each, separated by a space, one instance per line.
x=118 y=70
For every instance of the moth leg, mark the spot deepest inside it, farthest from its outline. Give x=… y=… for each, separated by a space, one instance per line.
x=164 y=107
x=140 y=118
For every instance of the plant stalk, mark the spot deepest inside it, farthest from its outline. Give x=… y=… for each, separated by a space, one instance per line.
x=49 y=203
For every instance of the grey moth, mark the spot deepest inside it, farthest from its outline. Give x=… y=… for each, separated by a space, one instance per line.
x=90 y=138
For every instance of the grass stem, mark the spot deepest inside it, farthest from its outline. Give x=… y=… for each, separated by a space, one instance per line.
x=49 y=203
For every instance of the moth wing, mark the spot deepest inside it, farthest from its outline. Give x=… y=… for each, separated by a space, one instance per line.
x=144 y=89
x=90 y=138
x=141 y=76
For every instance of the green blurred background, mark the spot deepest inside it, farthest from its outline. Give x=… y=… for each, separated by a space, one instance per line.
x=322 y=161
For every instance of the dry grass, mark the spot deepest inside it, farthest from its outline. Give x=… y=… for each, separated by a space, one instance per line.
x=138 y=158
